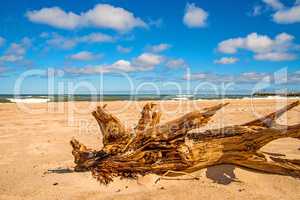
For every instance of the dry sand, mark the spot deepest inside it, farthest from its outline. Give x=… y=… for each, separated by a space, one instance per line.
x=33 y=143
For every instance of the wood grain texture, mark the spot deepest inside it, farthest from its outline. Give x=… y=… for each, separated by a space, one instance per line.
x=173 y=146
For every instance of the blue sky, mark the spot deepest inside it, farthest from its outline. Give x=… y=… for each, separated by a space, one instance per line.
x=187 y=42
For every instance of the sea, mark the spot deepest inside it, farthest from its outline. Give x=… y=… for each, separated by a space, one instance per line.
x=43 y=98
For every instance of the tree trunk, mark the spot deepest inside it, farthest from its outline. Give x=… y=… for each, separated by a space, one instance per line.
x=154 y=148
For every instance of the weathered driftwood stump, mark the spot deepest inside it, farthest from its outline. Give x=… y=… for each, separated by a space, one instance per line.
x=154 y=148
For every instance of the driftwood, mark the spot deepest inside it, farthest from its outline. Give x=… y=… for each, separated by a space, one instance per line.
x=159 y=149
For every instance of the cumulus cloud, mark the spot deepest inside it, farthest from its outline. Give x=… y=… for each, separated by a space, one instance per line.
x=176 y=63
x=159 y=47
x=148 y=61
x=288 y=16
x=253 y=42
x=101 y=16
x=144 y=62
x=16 y=51
x=95 y=37
x=62 y=42
x=275 y=56
x=194 y=16
x=118 y=66
x=264 y=47
x=247 y=77
x=122 y=49
x=54 y=16
x=88 y=70
x=226 y=60
x=243 y=78
x=197 y=76
x=274 y=4
x=230 y=45
x=283 y=14
x=123 y=65
x=85 y=56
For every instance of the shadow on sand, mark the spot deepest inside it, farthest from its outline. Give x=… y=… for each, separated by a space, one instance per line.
x=222 y=174
x=60 y=170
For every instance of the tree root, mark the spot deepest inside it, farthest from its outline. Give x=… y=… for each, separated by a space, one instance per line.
x=160 y=149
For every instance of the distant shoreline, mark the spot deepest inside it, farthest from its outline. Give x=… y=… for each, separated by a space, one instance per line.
x=289 y=94
x=106 y=98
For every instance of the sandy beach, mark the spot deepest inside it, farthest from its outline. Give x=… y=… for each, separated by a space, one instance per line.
x=34 y=143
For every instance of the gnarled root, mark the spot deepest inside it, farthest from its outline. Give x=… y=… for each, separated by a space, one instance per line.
x=155 y=148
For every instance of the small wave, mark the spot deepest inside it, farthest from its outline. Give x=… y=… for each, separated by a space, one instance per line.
x=180 y=99
x=28 y=100
x=269 y=97
x=184 y=96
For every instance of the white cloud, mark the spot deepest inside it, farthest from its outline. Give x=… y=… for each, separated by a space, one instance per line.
x=283 y=14
x=144 y=62
x=88 y=70
x=2 y=41
x=122 y=49
x=288 y=16
x=266 y=48
x=56 y=17
x=258 y=43
x=226 y=60
x=159 y=47
x=85 y=56
x=247 y=77
x=196 y=76
x=194 y=16
x=95 y=38
x=16 y=51
x=243 y=78
x=118 y=66
x=148 y=60
x=283 y=38
x=252 y=77
x=123 y=65
x=176 y=63
x=101 y=16
x=230 y=45
x=107 y=16
x=63 y=42
x=275 y=56
x=274 y=4
x=253 y=42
